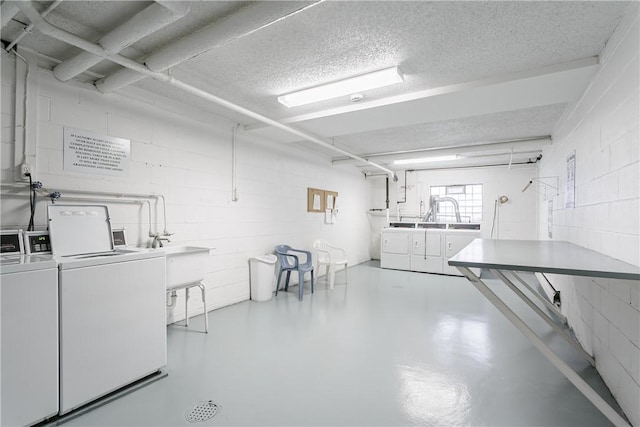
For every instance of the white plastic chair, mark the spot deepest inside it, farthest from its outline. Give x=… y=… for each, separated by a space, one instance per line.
x=331 y=257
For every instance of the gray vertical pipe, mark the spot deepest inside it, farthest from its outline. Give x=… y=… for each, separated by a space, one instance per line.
x=387 y=187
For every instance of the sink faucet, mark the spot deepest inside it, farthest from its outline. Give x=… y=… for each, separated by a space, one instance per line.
x=157 y=241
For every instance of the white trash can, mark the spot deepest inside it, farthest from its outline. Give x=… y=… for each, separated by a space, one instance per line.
x=262 y=270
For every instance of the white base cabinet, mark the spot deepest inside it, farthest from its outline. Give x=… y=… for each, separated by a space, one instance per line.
x=394 y=249
x=423 y=250
x=426 y=251
x=454 y=242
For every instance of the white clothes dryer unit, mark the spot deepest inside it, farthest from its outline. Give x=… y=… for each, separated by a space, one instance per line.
x=29 y=335
x=112 y=306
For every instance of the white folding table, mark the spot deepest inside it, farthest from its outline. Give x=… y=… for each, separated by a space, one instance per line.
x=543 y=256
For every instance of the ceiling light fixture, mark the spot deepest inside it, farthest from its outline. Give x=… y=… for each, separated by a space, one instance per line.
x=345 y=87
x=425 y=160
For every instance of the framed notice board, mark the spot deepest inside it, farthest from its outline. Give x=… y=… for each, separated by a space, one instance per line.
x=315 y=200
x=320 y=200
x=330 y=199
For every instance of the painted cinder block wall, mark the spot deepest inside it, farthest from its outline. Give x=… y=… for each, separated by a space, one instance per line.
x=184 y=153
x=602 y=129
x=515 y=219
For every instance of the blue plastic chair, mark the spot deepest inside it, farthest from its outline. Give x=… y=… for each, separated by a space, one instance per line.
x=290 y=262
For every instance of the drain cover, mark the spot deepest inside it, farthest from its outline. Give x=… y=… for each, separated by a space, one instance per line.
x=202 y=411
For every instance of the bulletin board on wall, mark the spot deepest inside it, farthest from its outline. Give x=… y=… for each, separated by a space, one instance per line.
x=321 y=200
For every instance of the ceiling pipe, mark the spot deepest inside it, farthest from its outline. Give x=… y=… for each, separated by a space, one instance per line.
x=302 y=134
x=241 y=24
x=52 y=31
x=149 y=20
x=519 y=146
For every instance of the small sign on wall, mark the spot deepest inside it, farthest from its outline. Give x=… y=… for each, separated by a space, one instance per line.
x=93 y=153
x=550 y=219
x=571 y=180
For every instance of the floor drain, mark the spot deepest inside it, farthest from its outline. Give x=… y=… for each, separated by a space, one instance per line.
x=202 y=411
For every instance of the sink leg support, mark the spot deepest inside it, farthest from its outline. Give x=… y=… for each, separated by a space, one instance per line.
x=186 y=306
x=204 y=304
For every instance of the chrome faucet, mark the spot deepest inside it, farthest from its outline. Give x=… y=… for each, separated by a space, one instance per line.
x=157 y=241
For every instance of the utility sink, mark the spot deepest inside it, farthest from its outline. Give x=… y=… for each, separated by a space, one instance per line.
x=185 y=265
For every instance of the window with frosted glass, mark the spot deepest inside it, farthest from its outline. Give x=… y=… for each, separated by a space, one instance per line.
x=469 y=198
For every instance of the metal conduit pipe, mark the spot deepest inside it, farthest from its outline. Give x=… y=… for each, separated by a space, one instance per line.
x=143 y=23
x=242 y=23
x=51 y=30
x=234 y=163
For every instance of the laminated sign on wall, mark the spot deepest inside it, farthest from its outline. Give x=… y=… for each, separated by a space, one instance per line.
x=571 y=180
x=93 y=153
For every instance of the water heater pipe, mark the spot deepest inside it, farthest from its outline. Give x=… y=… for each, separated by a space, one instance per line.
x=387 y=201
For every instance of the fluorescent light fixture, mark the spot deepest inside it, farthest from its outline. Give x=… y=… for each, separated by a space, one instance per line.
x=425 y=160
x=345 y=87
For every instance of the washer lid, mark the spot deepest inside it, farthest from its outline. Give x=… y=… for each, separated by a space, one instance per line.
x=22 y=263
x=79 y=229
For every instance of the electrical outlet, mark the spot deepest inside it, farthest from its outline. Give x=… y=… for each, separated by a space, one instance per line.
x=25 y=169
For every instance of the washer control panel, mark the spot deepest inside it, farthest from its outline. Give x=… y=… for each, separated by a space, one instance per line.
x=37 y=242
x=11 y=242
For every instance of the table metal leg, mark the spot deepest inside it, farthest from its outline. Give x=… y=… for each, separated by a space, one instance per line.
x=566 y=370
x=546 y=302
x=575 y=344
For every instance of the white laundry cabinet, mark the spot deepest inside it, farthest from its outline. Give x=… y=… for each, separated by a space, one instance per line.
x=425 y=250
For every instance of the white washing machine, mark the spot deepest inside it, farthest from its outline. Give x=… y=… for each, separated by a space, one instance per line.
x=29 y=335
x=112 y=306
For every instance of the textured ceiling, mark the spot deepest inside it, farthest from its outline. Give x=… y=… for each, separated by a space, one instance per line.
x=478 y=51
x=486 y=128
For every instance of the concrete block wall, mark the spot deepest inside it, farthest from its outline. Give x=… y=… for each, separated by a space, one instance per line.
x=602 y=128
x=516 y=219
x=184 y=153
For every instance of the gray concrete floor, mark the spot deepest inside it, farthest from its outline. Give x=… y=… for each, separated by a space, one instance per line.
x=390 y=348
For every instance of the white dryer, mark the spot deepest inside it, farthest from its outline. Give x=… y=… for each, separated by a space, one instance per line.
x=29 y=335
x=112 y=306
